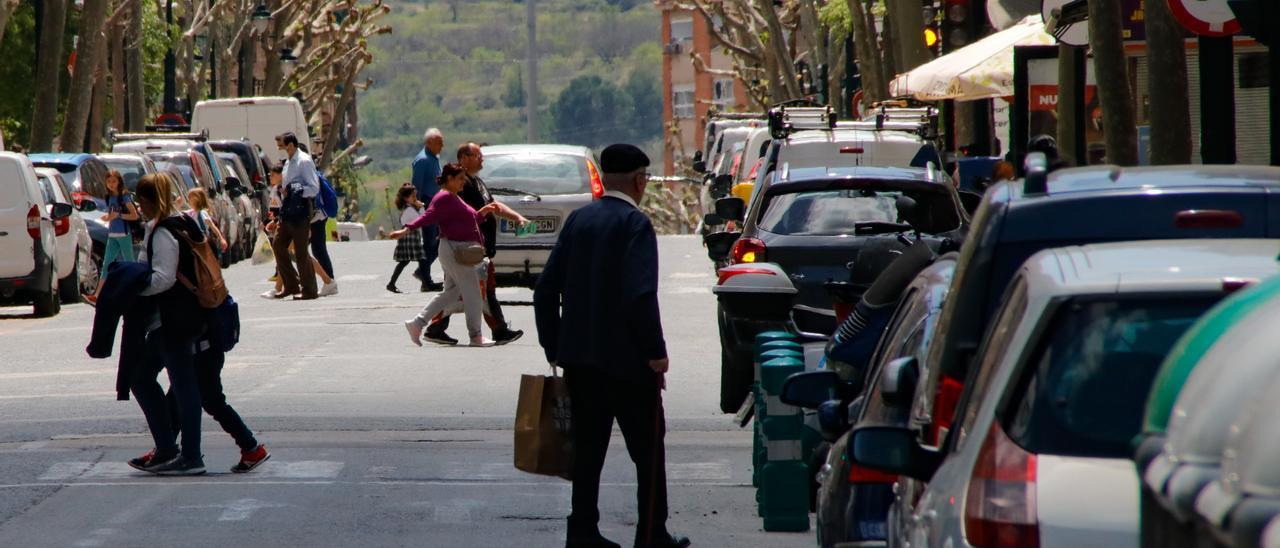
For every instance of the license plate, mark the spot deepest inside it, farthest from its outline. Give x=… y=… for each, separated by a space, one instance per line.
x=546 y=225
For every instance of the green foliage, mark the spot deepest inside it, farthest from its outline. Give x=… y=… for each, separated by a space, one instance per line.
x=836 y=16
x=591 y=112
x=16 y=77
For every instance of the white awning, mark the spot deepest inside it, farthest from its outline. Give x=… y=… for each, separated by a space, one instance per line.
x=981 y=70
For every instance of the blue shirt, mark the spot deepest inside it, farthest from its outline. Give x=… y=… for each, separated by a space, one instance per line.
x=118 y=205
x=300 y=173
x=426 y=170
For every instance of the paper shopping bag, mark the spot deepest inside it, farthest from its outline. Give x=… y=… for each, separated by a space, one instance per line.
x=544 y=435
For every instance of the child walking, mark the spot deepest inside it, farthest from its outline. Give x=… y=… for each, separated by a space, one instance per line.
x=409 y=248
x=120 y=211
x=198 y=199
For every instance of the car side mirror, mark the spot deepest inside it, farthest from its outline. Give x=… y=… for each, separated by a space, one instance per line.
x=233 y=182
x=898 y=381
x=721 y=184
x=894 y=450
x=719 y=244
x=87 y=205
x=699 y=164
x=711 y=219
x=809 y=389
x=970 y=200
x=62 y=210
x=731 y=208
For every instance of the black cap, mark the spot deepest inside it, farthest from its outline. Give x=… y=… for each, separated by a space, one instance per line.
x=622 y=158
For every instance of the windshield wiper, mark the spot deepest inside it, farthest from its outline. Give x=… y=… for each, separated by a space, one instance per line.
x=512 y=192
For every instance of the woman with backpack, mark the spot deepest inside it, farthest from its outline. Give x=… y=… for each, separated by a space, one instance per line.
x=198 y=199
x=120 y=212
x=461 y=254
x=408 y=248
x=170 y=340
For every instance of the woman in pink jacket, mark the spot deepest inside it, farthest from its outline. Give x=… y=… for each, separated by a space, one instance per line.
x=459 y=230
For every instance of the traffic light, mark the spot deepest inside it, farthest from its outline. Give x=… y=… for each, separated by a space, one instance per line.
x=957 y=27
x=932 y=38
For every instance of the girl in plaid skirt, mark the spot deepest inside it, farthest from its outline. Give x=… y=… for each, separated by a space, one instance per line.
x=409 y=248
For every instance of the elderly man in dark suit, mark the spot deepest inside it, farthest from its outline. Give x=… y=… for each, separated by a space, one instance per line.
x=596 y=305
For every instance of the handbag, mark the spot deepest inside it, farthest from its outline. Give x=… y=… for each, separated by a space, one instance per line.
x=544 y=426
x=469 y=254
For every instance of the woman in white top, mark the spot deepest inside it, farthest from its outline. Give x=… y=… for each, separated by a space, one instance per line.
x=170 y=340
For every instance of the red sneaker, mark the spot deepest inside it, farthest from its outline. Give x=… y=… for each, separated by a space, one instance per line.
x=251 y=459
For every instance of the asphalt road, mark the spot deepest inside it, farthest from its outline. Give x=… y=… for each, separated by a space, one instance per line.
x=375 y=442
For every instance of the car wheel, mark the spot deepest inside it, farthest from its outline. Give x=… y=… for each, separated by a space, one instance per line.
x=90 y=283
x=736 y=374
x=46 y=304
x=69 y=287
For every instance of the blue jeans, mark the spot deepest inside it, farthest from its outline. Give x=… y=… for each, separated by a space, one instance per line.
x=431 y=247
x=175 y=354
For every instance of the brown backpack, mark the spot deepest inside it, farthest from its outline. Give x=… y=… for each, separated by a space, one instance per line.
x=208 y=287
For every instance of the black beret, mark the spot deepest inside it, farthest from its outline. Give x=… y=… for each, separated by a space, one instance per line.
x=622 y=158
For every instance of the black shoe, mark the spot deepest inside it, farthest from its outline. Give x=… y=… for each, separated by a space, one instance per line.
x=507 y=336
x=590 y=541
x=392 y=288
x=439 y=337
x=429 y=287
x=667 y=540
x=178 y=466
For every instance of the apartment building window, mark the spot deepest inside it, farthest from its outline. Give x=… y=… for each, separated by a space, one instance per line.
x=682 y=98
x=722 y=92
x=682 y=34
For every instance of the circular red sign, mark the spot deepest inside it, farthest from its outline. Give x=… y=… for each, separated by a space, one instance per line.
x=1205 y=17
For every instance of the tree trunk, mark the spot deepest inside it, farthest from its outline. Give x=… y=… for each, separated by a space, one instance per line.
x=778 y=46
x=1069 y=110
x=117 y=79
x=1112 y=72
x=274 y=76
x=137 y=94
x=869 y=61
x=248 y=58
x=48 y=75
x=891 y=62
x=908 y=21
x=1170 y=102
x=80 y=95
x=96 y=114
x=335 y=125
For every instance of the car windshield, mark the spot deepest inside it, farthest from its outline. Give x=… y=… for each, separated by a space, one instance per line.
x=537 y=173
x=131 y=171
x=1085 y=389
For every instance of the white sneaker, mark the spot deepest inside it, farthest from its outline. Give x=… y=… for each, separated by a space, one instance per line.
x=269 y=294
x=329 y=289
x=415 y=331
x=481 y=342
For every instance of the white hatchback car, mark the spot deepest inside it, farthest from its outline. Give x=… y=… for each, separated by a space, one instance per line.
x=1042 y=454
x=77 y=272
x=28 y=249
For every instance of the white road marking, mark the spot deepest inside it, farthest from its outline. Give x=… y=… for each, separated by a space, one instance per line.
x=358 y=277
x=690 y=276
x=44 y=374
x=33 y=445
x=111 y=395
x=239 y=510
x=699 y=471
x=297 y=470
x=697 y=290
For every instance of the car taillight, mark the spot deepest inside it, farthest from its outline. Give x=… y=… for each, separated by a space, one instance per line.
x=944 y=409
x=726 y=273
x=61 y=226
x=33 y=222
x=859 y=474
x=597 y=185
x=748 y=250
x=78 y=197
x=1000 y=508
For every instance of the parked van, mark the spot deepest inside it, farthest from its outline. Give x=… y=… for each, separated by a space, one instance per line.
x=259 y=119
x=28 y=250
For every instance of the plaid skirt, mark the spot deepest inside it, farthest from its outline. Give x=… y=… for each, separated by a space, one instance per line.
x=409 y=248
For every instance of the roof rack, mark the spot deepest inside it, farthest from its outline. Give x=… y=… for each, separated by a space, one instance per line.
x=154 y=132
x=784 y=120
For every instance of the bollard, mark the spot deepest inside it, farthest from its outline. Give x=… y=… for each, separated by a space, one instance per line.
x=765 y=343
x=784 y=478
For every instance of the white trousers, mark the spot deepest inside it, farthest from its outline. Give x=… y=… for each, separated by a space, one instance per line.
x=459 y=281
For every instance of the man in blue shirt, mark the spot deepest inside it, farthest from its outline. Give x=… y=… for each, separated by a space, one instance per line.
x=426 y=169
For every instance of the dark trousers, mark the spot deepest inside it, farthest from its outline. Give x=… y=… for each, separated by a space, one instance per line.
x=431 y=247
x=597 y=398
x=174 y=354
x=208 y=366
x=492 y=313
x=299 y=235
x=395 y=275
x=319 y=247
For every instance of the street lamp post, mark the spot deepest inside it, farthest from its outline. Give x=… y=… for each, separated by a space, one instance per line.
x=170 y=66
x=288 y=62
x=261 y=19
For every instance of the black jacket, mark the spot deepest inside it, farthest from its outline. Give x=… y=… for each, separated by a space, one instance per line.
x=596 y=302
x=118 y=300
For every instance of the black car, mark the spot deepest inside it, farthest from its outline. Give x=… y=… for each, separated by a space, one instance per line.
x=813 y=223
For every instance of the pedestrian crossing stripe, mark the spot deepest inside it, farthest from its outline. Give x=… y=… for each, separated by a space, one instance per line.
x=79 y=470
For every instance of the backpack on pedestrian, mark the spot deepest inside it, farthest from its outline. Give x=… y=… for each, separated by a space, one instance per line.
x=328 y=197
x=208 y=287
x=224 y=325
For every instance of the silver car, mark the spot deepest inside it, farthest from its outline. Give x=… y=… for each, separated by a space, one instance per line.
x=545 y=183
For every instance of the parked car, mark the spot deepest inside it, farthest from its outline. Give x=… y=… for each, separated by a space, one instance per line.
x=77 y=271
x=1072 y=207
x=1057 y=397
x=721 y=161
x=86 y=174
x=545 y=183
x=812 y=223
x=28 y=245
x=247 y=211
x=220 y=204
x=254 y=162
x=131 y=166
x=1202 y=386
x=258 y=119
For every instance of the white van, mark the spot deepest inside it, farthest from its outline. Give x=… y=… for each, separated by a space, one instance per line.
x=259 y=119
x=28 y=250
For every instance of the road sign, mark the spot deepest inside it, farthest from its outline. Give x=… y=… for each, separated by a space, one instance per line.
x=1205 y=17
